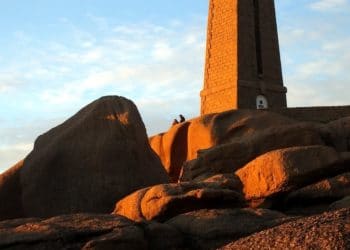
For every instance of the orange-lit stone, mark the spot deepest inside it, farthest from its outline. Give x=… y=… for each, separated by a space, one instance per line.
x=286 y=169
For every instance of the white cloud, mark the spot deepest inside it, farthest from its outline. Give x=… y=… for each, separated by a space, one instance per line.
x=162 y=51
x=19 y=146
x=92 y=56
x=322 y=78
x=137 y=61
x=326 y=5
x=9 y=80
x=11 y=154
x=315 y=54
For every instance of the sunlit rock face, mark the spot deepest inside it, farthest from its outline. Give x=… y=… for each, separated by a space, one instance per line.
x=286 y=169
x=161 y=202
x=87 y=163
x=224 y=142
x=272 y=155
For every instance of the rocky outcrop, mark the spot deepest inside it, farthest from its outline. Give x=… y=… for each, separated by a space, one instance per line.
x=85 y=164
x=182 y=142
x=212 y=228
x=230 y=164
x=162 y=202
x=78 y=231
x=10 y=193
x=287 y=169
x=327 y=231
x=201 y=229
x=229 y=157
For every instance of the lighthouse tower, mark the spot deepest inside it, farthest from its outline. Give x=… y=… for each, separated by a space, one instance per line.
x=243 y=66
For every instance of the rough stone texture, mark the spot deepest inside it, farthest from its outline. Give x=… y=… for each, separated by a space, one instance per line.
x=226 y=180
x=242 y=57
x=229 y=157
x=78 y=231
x=327 y=231
x=222 y=53
x=343 y=203
x=10 y=193
x=90 y=161
x=330 y=189
x=287 y=169
x=209 y=229
x=162 y=202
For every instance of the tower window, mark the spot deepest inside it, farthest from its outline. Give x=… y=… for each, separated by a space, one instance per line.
x=261 y=102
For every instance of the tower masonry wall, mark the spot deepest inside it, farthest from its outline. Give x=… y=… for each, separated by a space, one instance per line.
x=242 y=56
x=221 y=68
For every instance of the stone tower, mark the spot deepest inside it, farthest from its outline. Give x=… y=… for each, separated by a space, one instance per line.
x=243 y=66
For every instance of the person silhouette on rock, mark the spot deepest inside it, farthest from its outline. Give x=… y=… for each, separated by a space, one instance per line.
x=182 y=118
x=175 y=122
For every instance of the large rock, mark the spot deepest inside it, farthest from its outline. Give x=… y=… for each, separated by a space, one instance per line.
x=327 y=231
x=10 y=193
x=90 y=161
x=78 y=231
x=182 y=142
x=229 y=157
x=209 y=229
x=287 y=169
x=165 y=201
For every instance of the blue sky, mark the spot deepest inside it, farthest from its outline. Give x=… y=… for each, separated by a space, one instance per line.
x=57 y=56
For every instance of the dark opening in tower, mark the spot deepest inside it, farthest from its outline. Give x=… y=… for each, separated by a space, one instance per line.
x=258 y=39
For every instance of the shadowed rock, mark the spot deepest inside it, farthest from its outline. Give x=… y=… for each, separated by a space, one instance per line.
x=326 y=231
x=162 y=236
x=209 y=229
x=78 y=231
x=10 y=193
x=90 y=161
